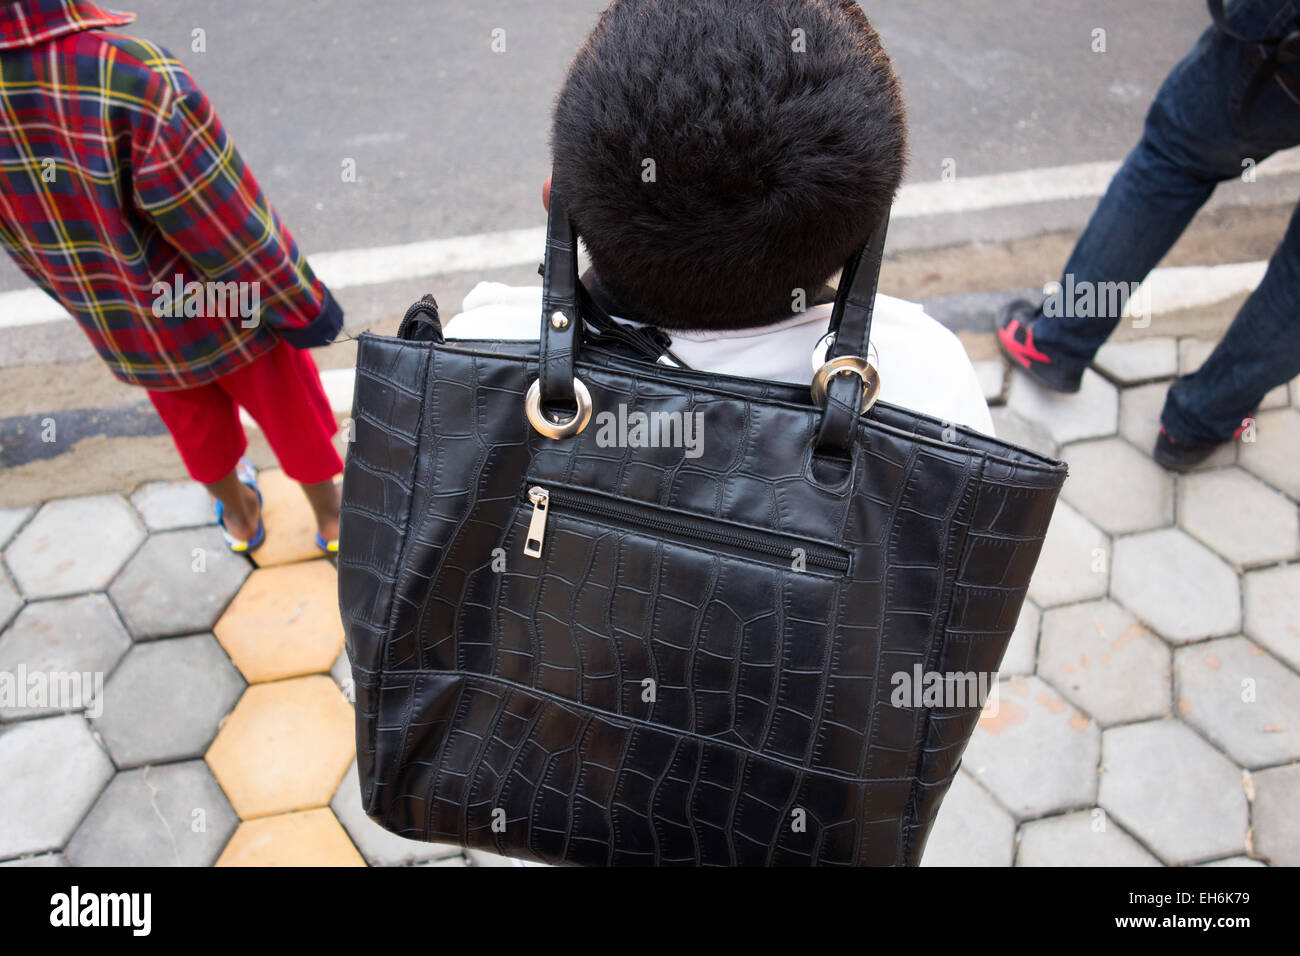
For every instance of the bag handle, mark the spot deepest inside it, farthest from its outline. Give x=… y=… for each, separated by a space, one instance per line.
x=559 y=406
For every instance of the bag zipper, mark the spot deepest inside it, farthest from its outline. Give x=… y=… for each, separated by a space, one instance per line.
x=703 y=530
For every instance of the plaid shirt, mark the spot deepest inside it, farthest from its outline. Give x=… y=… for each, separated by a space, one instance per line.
x=116 y=177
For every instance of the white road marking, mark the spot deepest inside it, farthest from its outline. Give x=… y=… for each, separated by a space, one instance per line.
x=496 y=250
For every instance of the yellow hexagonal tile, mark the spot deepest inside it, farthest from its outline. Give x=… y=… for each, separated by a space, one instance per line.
x=284 y=747
x=290 y=523
x=307 y=838
x=284 y=622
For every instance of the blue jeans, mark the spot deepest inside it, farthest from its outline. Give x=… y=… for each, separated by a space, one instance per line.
x=1191 y=143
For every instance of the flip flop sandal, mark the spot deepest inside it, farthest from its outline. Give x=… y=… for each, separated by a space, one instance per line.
x=329 y=547
x=247 y=475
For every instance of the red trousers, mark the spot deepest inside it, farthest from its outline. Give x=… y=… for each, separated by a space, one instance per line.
x=282 y=391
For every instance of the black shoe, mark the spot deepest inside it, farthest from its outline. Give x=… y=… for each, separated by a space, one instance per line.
x=1179 y=456
x=1016 y=337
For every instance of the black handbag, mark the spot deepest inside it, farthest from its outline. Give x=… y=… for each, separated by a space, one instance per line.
x=574 y=650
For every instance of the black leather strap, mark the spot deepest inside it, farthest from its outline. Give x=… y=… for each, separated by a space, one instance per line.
x=856 y=300
x=559 y=346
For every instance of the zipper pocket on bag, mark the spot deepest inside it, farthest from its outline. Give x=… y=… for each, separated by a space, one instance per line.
x=705 y=531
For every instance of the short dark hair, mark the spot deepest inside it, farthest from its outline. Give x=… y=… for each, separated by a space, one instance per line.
x=778 y=139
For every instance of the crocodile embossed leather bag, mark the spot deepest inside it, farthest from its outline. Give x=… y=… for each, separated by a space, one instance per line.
x=577 y=649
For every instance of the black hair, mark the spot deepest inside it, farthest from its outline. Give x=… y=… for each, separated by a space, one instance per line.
x=717 y=155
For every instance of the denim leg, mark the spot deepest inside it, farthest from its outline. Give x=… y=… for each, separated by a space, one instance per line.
x=1260 y=351
x=1188 y=146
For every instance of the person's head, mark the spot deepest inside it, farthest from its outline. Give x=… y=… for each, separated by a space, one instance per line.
x=718 y=155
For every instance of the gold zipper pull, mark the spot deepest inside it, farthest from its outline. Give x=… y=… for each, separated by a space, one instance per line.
x=541 y=499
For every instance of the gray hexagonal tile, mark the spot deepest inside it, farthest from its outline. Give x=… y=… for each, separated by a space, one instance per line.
x=971 y=829
x=74 y=545
x=167 y=699
x=1275 y=451
x=174 y=815
x=377 y=845
x=1241 y=699
x=992 y=375
x=1234 y=861
x=1273 y=611
x=1277 y=824
x=1085 y=838
x=40 y=859
x=1192 y=354
x=1021 y=657
x=1175 y=792
x=11 y=519
x=1239 y=516
x=1139 y=361
x=178 y=583
x=10 y=599
x=1176 y=585
x=1036 y=754
x=341 y=671
x=169 y=505
x=1074 y=564
x=52 y=771
x=1011 y=427
x=1139 y=422
x=1117 y=487
x=57 y=655
x=1093 y=412
x=1105 y=662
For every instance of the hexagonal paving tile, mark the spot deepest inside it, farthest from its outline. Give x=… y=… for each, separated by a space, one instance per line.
x=10 y=599
x=74 y=545
x=1037 y=754
x=174 y=815
x=284 y=622
x=379 y=846
x=57 y=655
x=1234 y=861
x=341 y=671
x=1279 y=397
x=1273 y=611
x=285 y=747
x=1192 y=354
x=178 y=583
x=971 y=829
x=992 y=375
x=1277 y=825
x=1117 y=487
x=290 y=524
x=1176 y=585
x=1239 y=516
x=1091 y=413
x=1139 y=422
x=1074 y=564
x=169 y=505
x=1139 y=361
x=1240 y=698
x=1105 y=662
x=1022 y=653
x=166 y=700
x=40 y=859
x=11 y=519
x=52 y=771
x=1086 y=838
x=308 y=838
x=1175 y=792
x=1011 y=427
x=1273 y=454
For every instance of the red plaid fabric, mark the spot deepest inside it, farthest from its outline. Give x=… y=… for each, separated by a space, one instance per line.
x=116 y=178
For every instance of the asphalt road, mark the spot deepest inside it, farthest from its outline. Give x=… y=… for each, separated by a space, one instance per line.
x=450 y=138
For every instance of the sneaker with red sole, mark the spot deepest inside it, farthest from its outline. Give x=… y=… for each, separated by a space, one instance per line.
x=1016 y=337
x=1174 y=455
